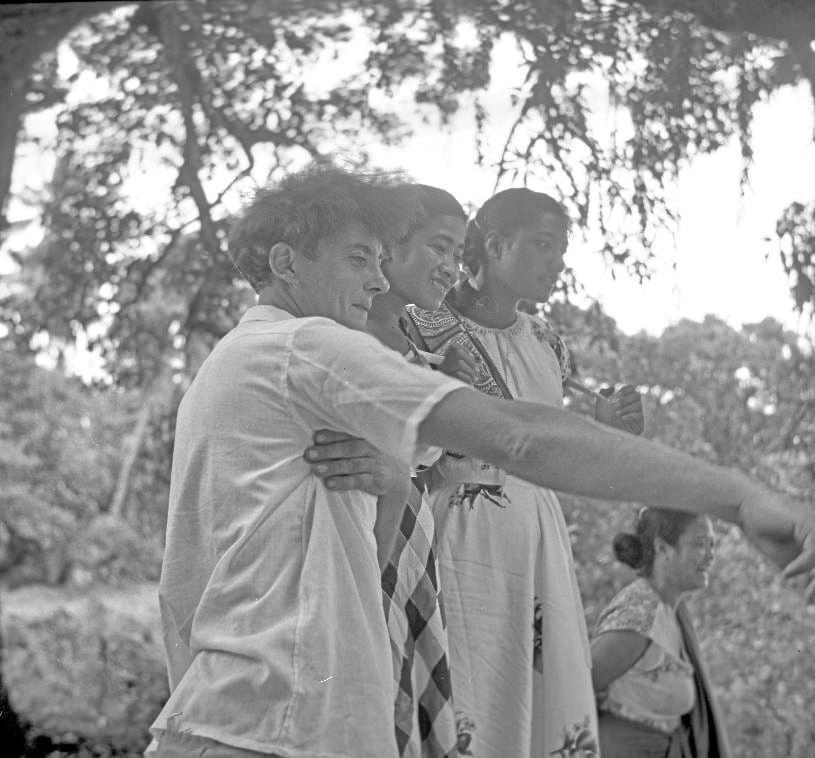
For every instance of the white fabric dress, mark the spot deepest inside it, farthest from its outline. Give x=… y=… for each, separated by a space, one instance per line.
x=519 y=647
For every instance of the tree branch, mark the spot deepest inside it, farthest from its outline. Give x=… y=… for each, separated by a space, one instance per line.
x=132 y=447
x=789 y=433
x=28 y=31
x=778 y=19
x=188 y=174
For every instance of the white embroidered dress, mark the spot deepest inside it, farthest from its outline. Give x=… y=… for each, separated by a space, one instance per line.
x=519 y=647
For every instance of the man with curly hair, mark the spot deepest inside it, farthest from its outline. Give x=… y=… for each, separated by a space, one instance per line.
x=270 y=590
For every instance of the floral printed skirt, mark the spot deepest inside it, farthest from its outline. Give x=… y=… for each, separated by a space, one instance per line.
x=518 y=642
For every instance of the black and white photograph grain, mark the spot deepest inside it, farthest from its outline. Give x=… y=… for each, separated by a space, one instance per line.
x=407 y=379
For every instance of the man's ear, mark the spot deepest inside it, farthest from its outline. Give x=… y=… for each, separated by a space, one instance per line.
x=282 y=263
x=494 y=245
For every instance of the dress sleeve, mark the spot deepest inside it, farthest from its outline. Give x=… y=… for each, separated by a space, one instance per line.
x=345 y=380
x=633 y=609
x=548 y=336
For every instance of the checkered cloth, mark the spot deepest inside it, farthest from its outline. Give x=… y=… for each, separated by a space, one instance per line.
x=425 y=719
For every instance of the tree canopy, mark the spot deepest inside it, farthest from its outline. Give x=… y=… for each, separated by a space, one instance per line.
x=195 y=100
x=204 y=92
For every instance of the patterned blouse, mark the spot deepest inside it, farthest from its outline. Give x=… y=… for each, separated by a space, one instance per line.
x=446 y=326
x=439 y=330
x=658 y=689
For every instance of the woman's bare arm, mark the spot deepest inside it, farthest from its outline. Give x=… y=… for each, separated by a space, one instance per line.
x=613 y=653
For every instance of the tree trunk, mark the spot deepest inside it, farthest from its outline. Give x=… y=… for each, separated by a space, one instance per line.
x=12 y=734
x=154 y=398
x=28 y=31
x=133 y=447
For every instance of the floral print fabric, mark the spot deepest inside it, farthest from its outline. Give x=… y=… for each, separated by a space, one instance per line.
x=658 y=689
x=518 y=643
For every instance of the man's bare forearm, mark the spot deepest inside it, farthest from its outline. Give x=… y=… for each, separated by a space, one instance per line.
x=563 y=451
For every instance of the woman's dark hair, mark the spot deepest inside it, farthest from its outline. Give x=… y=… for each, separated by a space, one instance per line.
x=504 y=213
x=432 y=202
x=317 y=204
x=637 y=550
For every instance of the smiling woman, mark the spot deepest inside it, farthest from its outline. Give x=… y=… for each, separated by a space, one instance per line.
x=653 y=691
x=424 y=264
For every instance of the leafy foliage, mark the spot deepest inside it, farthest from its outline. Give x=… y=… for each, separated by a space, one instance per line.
x=214 y=95
x=59 y=445
x=741 y=398
x=85 y=669
x=796 y=235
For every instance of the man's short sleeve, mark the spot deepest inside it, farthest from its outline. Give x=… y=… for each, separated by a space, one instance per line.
x=348 y=381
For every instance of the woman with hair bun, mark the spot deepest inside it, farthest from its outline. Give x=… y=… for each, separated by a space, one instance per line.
x=654 y=697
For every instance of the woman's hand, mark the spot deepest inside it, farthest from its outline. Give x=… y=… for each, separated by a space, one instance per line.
x=621 y=409
x=459 y=364
x=347 y=463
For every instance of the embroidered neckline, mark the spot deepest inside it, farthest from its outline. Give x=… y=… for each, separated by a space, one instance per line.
x=413 y=348
x=513 y=330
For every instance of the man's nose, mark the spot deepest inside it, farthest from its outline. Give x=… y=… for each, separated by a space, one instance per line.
x=379 y=282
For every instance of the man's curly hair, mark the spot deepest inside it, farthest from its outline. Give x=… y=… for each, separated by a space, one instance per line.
x=317 y=204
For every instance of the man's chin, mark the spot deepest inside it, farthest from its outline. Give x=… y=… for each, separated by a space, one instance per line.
x=356 y=318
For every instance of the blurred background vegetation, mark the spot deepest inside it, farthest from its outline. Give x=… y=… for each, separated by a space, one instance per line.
x=192 y=101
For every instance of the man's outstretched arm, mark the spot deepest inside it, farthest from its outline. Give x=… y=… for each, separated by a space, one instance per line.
x=564 y=451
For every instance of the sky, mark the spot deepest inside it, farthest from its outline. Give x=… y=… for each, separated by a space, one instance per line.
x=716 y=263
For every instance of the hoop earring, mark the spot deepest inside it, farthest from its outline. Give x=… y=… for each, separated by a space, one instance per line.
x=476 y=281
